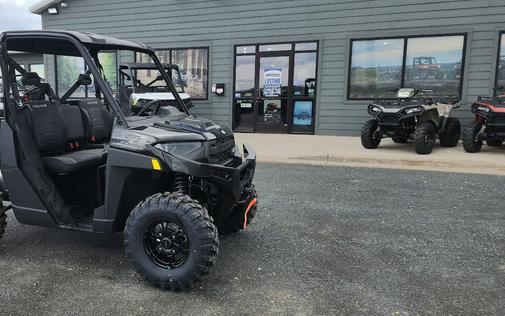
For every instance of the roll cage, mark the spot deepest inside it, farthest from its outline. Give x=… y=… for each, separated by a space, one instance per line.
x=66 y=43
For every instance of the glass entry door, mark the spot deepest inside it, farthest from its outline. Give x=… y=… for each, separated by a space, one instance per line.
x=275 y=88
x=273 y=95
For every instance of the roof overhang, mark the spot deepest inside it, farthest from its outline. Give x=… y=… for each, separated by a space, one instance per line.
x=42 y=6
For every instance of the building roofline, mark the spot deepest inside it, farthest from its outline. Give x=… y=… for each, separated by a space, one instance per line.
x=40 y=7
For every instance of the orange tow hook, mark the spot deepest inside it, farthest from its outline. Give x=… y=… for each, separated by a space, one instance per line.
x=251 y=204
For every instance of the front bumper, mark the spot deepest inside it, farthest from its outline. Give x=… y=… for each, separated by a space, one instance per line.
x=231 y=179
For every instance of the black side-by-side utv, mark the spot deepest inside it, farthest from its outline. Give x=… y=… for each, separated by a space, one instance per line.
x=73 y=160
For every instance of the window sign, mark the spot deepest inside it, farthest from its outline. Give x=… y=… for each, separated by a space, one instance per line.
x=272 y=82
x=303 y=113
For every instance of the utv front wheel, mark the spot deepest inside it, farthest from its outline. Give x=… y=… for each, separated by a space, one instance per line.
x=471 y=143
x=424 y=138
x=369 y=138
x=3 y=217
x=171 y=240
x=450 y=137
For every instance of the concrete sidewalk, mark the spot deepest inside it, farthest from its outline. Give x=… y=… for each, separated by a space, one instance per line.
x=347 y=151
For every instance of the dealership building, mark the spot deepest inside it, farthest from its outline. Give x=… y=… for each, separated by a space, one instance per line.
x=296 y=66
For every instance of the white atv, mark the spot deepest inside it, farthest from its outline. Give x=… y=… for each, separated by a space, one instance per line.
x=142 y=85
x=412 y=118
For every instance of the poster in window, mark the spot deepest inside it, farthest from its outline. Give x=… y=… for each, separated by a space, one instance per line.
x=272 y=82
x=303 y=113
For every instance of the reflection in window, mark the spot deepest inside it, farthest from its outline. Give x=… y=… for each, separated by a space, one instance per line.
x=244 y=76
x=304 y=80
x=376 y=67
x=500 y=72
x=193 y=65
x=434 y=63
x=68 y=69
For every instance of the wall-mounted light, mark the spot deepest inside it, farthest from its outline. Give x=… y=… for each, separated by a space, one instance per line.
x=52 y=11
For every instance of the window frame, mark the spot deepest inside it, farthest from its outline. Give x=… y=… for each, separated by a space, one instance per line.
x=405 y=39
x=500 y=35
x=171 y=49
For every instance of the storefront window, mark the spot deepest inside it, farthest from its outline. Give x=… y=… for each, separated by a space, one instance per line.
x=246 y=49
x=193 y=66
x=304 y=80
x=434 y=63
x=376 y=67
x=500 y=71
x=68 y=69
x=275 y=47
x=306 y=46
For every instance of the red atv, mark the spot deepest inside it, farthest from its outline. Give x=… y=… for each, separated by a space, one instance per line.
x=489 y=124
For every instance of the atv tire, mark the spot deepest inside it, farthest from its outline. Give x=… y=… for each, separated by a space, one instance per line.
x=3 y=217
x=235 y=221
x=470 y=143
x=399 y=139
x=171 y=240
x=450 y=137
x=368 y=139
x=424 y=138
x=494 y=142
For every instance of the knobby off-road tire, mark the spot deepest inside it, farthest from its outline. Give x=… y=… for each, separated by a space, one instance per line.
x=3 y=217
x=450 y=137
x=235 y=222
x=368 y=139
x=424 y=138
x=179 y=213
x=399 y=139
x=494 y=142
x=470 y=143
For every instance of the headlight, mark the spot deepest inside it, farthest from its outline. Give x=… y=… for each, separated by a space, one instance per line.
x=179 y=149
x=375 y=108
x=414 y=110
x=482 y=108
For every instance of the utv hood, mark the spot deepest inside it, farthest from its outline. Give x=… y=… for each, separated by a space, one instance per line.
x=145 y=131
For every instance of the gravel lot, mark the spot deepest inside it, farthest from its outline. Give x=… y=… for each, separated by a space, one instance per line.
x=326 y=240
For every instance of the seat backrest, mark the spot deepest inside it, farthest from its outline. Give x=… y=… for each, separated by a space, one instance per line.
x=47 y=126
x=74 y=125
x=97 y=120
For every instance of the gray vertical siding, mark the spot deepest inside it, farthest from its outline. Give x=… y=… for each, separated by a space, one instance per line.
x=220 y=24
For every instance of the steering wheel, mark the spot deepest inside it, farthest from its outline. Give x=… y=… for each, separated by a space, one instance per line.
x=153 y=103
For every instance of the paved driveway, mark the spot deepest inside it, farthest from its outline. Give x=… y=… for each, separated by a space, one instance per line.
x=328 y=240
